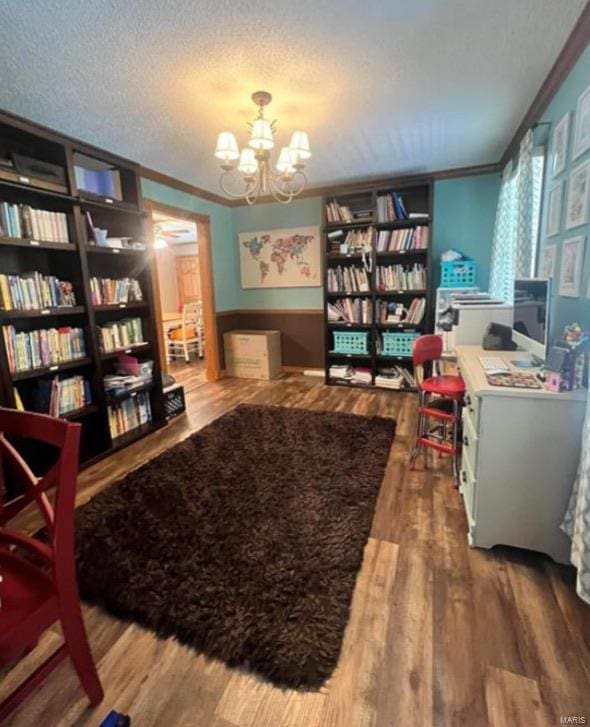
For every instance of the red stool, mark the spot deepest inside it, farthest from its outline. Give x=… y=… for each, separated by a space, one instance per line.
x=441 y=398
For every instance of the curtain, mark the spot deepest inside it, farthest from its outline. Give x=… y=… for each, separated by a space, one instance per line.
x=577 y=518
x=516 y=227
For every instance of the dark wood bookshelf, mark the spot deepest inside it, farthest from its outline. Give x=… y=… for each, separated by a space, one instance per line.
x=417 y=198
x=124 y=216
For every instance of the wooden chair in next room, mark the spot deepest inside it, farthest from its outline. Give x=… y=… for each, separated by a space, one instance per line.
x=441 y=399
x=38 y=586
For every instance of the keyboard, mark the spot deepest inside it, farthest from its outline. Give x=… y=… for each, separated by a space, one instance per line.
x=493 y=363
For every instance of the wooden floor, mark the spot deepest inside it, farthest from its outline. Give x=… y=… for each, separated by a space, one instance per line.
x=190 y=375
x=439 y=634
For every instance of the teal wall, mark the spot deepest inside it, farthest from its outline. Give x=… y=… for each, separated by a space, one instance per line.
x=464 y=213
x=464 y=216
x=275 y=216
x=567 y=310
x=223 y=247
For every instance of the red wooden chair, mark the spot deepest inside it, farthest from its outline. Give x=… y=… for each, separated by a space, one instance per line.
x=39 y=579
x=440 y=399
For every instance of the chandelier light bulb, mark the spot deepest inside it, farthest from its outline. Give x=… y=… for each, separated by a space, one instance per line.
x=300 y=145
x=285 y=162
x=248 y=162
x=227 y=147
x=261 y=137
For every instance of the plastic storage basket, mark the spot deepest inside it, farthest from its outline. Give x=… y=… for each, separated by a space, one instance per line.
x=398 y=344
x=351 y=342
x=458 y=274
x=174 y=403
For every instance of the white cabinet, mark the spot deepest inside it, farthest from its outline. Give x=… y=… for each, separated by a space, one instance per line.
x=521 y=449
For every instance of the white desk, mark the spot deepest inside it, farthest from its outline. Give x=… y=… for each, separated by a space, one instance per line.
x=521 y=449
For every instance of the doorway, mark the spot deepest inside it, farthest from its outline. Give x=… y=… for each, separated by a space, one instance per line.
x=183 y=294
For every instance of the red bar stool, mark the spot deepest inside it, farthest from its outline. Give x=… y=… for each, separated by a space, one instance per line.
x=441 y=398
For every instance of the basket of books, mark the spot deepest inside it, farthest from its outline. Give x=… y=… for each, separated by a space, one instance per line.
x=353 y=342
x=398 y=343
x=457 y=274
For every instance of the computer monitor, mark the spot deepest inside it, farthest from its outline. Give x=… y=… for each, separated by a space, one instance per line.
x=532 y=303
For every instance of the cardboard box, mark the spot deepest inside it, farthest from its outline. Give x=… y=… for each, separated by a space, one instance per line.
x=252 y=354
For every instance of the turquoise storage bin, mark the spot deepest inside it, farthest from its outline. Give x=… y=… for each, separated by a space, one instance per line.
x=458 y=274
x=351 y=342
x=398 y=344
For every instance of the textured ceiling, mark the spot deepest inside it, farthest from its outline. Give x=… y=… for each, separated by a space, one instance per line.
x=382 y=86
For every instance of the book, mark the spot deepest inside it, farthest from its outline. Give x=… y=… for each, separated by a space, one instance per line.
x=129 y=414
x=401 y=277
x=109 y=291
x=24 y=221
x=120 y=334
x=40 y=348
x=34 y=291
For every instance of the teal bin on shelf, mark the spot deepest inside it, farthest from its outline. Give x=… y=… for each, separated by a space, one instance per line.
x=458 y=274
x=398 y=344
x=351 y=342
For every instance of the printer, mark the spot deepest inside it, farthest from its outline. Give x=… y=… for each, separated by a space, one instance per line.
x=465 y=319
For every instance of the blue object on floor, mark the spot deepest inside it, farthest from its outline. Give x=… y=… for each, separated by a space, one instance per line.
x=115 y=719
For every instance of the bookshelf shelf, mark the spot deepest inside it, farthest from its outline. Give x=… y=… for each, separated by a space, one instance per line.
x=37 y=244
x=408 y=266
x=34 y=188
x=132 y=305
x=124 y=440
x=69 y=166
x=365 y=294
x=116 y=398
x=80 y=413
x=93 y=250
x=400 y=224
x=65 y=310
x=401 y=253
x=105 y=356
x=55 y=369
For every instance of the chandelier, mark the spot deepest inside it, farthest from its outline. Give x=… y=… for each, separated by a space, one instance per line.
x=253 y=161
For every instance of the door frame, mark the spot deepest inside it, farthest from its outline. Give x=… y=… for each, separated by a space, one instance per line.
x=213 y=370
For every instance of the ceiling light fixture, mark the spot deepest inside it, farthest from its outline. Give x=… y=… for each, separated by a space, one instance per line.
x=253 y=161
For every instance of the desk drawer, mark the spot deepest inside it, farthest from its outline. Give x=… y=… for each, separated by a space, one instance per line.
x=470 y=440
x=467 y=489
x=472 y=403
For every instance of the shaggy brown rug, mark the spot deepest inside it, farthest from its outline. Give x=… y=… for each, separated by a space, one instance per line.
x=244 y=540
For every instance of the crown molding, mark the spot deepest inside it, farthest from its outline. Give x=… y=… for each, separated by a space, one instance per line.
x=573 y=48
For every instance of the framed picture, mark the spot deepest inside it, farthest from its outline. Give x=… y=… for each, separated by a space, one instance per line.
x=576 y=213
x=280 y=258
x=554 y=210
x=582 y=129
x=559 y=146
x=547 y=265
x=570 y=274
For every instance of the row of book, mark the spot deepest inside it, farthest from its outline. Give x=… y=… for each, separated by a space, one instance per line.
x=55 y=396
x=336 y=212
x=33 y=291
x=354 y=241
x=408 y=238
x=108 y=291
x=120 y=334
x=129 y=414
x=395 y=377
x=390 y=207
x=347 y=279
x=351 y=310
x=45 y=347
x=356 y=375
x=400 y=277
x=22 y=220
x=394 y=312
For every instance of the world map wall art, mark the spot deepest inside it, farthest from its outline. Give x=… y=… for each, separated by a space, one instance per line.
x=280 y=258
